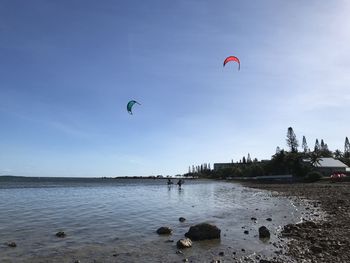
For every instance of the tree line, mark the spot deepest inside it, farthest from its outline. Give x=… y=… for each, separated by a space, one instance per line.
x=282 y=162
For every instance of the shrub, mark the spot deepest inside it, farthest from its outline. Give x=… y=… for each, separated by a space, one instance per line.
x=313 y=176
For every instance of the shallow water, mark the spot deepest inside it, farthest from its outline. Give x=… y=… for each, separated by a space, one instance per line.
x=109 y=220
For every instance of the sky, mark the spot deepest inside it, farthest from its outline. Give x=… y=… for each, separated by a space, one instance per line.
x=68 y=69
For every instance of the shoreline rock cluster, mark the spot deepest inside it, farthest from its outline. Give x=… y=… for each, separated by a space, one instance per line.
x=202 y=231
x=325 y=239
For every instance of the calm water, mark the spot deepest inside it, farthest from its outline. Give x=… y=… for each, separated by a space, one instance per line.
x=115 y=220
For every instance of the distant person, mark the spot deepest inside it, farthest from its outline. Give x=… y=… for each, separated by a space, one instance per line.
x=169 y=182
x=179 y=183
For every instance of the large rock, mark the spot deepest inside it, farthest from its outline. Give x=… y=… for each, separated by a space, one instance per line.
x=60 y=234
x=203 y=231
x=184 y=243
x=164 y=230
x=12 y=244
x=264 y=232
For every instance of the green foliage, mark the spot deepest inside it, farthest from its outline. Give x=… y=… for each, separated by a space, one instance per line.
x=281 y=163
x=313 y=177
x=292 y=141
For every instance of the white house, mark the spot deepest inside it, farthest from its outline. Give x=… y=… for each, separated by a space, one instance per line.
x=328 y=166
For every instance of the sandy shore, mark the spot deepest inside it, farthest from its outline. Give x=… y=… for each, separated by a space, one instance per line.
x=325 y=239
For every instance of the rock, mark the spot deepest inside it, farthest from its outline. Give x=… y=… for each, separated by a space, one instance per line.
x=77 y=261
x=221 y=254
x=179 y=252
x=246 y=232
x=269 y=219
x=182 y=219
x=12 y=244
x=185 y=260
x=203 y=231
x=253 y=218
x=264 y=232
x=316 y=249
x=184 y=243
x=243 y=250
x=169 y=241
x=60 y=234
x=164 y=230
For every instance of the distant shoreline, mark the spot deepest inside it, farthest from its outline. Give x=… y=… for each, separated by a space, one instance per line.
x=104 y=178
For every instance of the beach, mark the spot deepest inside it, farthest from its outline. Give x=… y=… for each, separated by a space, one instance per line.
x=326 y=238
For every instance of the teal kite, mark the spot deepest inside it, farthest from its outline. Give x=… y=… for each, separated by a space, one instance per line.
x=130 y=105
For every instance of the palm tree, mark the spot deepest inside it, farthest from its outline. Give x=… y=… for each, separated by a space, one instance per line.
x=315 y=158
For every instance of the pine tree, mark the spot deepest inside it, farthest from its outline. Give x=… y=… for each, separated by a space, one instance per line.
x=249 y=160
x=317 y=146
x=322 y=145
x=347 y=148
x=292 y=141
x=304 y=145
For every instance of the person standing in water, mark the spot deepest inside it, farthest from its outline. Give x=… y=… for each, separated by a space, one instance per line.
x=179 y=183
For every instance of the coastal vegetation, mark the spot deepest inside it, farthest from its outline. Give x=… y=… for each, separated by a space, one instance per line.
x=298 y=163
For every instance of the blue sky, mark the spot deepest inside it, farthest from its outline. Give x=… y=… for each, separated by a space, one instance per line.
x=68 y=68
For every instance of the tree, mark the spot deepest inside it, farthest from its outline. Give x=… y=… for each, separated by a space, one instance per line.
x=292 y=141
x=317 y=146
x=324 y=151
x=249 y=160
x=244 y=161
x=347 y=148
x=304 y=145
x=322 y=145
x=278 y=150
x=315 y=158
x=338 y=154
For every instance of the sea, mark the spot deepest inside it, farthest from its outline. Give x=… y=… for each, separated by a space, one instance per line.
x=115 y=220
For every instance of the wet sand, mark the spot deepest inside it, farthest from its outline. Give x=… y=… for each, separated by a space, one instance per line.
x=324 y=238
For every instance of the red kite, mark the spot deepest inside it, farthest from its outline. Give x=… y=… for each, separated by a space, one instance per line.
x=232 y=58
